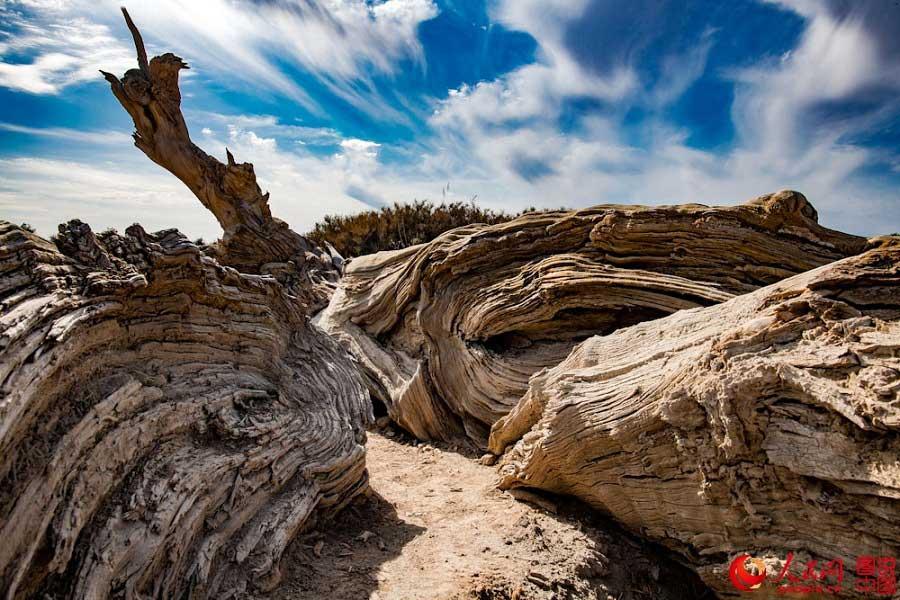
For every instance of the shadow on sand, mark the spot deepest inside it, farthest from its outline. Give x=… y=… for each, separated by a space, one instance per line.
x=341 y=558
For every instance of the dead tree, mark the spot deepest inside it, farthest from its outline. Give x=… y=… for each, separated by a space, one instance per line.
x=449 y=332
x=168 y=423
x=254 y=241
x=766 y=425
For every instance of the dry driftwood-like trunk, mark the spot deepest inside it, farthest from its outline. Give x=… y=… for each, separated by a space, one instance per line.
x=167 y=425
x=254 y=241
x=765 y=425
x=169 y=420
x=448 y=333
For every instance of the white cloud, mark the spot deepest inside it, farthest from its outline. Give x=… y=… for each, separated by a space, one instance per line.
x=834 y=60
x=269 y=125
x=125 y=187
x=341 y=42
x=66 y=51
x=305 y=186
x=360 y=147
x=46 y=192
x=72 y=135
x=498 y=139
x=494 y=132
x=534 y=90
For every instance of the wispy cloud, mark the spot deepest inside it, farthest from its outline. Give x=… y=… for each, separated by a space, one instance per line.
x=510 y=127
x=340 y=42
x=46 y=192
x=269 y=125
x=72 y=135
x=305 y=186
x=115 y=193
x=595 y=117
x=63 y=51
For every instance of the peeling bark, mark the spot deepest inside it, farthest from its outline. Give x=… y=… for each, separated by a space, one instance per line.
x=254 y=241
x=448 y=333
x=767 y=424
x=167 y=424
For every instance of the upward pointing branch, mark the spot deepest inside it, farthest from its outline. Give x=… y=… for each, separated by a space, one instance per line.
x=151 y=96
x=138 y=43
x=253 y=238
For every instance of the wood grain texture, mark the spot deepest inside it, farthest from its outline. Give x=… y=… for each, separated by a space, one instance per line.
x=448 y=333
x=169 y=418
x=167 y=424
x=767 y=424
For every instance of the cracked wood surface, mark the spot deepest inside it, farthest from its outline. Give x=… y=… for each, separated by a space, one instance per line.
x=766 y=424
x=448 y=333
x=167 y=424
x=169 y=419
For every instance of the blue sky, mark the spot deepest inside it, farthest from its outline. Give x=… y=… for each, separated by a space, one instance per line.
x=348 y=104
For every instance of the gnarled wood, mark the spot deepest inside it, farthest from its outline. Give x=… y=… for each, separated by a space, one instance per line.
x=167 y=424
x=768 y=424
x=254 y=241
x=448 y=333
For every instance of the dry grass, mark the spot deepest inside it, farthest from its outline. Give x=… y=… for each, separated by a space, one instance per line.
x=399 y=226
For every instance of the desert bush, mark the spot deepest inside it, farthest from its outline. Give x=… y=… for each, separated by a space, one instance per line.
x=400 y=225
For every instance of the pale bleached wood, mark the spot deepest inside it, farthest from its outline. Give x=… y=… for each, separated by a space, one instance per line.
x=167 y=424
x=768 y=424
x=449 y=332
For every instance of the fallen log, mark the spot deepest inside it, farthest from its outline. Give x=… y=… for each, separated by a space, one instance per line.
x=448 y=333
x=766 y=425
x=167 y=424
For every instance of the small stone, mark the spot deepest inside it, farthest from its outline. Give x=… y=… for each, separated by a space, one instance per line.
x=365 y=536
x=488 y=460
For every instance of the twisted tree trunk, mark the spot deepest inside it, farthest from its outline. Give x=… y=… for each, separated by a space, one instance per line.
x=168 y=421
x=254 y=241
x=449 y=332
x=165 y=425
x=765 y=425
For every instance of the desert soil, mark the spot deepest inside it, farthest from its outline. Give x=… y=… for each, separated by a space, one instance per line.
x=434 y=527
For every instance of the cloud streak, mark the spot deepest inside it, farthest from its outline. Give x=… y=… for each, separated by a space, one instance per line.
x=64 y=51
x=339 y=42
x=68 y=134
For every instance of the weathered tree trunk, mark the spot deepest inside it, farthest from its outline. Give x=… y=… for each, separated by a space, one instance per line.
x=448 y=333
x=254 y=241
x=167 y=425
x=767 y=424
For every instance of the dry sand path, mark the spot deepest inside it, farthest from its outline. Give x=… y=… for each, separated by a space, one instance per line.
x=434 y=527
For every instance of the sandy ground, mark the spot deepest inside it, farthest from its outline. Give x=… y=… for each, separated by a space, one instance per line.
x=433 y=527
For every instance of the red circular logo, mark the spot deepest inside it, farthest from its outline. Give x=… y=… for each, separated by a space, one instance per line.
x=744 y=580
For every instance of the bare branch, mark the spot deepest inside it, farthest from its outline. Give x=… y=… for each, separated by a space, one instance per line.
x=254 y=240
x=138 y=44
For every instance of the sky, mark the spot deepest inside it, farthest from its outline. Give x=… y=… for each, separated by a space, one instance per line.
x=347 y=105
